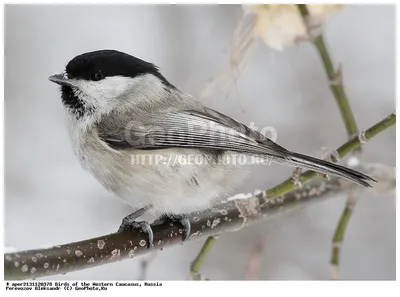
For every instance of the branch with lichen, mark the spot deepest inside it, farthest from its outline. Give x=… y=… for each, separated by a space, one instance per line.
x=232 y=215
x=226 y=217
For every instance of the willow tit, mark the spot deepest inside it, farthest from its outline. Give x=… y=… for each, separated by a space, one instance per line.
x=131 y=129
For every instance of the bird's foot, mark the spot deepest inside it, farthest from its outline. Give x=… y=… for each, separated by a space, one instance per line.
x=129 y=223
x=181 y=219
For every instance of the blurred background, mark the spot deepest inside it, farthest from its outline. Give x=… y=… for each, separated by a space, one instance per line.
x=50 y=200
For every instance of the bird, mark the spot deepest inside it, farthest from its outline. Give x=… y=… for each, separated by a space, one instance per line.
x=157 y=147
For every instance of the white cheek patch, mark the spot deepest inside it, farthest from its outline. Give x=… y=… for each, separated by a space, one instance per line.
x=115 y=92
x=103 y=94
x=107 y=88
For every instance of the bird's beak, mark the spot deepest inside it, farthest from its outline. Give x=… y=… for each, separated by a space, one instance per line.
x=61 y=80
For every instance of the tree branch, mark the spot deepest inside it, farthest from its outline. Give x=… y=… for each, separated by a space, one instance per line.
x=231 y=215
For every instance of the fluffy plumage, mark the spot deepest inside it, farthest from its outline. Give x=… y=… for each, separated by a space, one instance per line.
x=121 y=109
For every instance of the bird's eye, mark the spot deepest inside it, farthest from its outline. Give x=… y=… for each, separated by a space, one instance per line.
x=97 y=75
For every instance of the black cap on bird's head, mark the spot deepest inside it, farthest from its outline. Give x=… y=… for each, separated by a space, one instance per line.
x=97 y=66
x=100 y=64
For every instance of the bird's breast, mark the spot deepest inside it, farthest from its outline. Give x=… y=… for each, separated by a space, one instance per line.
x=170 y=180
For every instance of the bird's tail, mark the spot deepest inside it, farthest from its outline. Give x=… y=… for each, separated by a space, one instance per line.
x=323 y=166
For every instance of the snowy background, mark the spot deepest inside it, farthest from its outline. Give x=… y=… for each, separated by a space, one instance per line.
x=50 y=200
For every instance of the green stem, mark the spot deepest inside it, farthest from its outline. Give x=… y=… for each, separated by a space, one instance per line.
x=343 y=150
x=335 y=79
x=337 y=88
x=339 y=233
x=199 y=260
x=336 y=85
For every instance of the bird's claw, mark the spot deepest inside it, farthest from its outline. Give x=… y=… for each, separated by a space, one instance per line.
x=129 y=224
x=181 y=219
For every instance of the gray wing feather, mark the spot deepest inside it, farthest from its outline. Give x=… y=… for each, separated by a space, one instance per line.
x=211 y=130
x=205 y=129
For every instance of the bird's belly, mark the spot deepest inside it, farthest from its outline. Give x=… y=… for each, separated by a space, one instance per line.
x=167 y=180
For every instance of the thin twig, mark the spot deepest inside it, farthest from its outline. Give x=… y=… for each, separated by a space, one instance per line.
x=335 y=78
x=336 y=84
x=340 y=231
x=354 y=143
x=197 y=263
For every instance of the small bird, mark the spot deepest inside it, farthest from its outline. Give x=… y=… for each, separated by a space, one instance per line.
x=157 y=147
